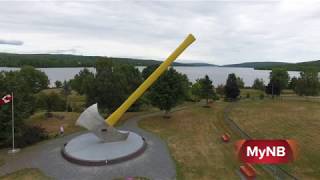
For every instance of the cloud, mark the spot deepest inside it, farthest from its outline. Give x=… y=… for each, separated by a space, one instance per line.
x=62 y=51
x=11 y=42
x=226 y=31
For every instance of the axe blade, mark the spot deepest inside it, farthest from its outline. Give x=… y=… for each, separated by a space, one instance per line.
x=94 y=122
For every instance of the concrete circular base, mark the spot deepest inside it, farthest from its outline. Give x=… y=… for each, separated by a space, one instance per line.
x=87 y=149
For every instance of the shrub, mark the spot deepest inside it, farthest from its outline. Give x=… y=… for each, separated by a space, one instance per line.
x=51 y=102
x=31 y=135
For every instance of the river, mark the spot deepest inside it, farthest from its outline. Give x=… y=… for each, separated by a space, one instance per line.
x=217 y=74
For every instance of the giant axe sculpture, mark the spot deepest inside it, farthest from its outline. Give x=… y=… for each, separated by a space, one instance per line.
x=103 y=129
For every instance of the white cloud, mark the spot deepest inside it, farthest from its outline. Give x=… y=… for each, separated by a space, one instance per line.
x=226 y=31
x=11 y=42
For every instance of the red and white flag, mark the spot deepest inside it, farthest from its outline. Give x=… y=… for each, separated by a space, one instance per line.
x=6 y=99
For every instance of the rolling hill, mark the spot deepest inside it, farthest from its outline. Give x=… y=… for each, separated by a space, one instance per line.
x=295 y=66
x=256 y=64
x=62 y=60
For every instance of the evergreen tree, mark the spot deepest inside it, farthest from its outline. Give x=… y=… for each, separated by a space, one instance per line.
x=279 y=79
x=232 y=90
x=206 y=88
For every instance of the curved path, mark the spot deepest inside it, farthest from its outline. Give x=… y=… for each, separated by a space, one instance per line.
x=155 y=163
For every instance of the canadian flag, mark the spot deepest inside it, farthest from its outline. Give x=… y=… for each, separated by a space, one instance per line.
x=6 y=99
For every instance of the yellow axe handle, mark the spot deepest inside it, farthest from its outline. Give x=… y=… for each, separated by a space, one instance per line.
x=115 y=116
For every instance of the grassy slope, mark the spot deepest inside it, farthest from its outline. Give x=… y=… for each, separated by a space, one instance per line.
x=26 y=174
x=53 y=124
x=286 y=119
x=193 y=137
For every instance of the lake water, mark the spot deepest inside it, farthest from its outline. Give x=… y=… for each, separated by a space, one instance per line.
x=217 y=74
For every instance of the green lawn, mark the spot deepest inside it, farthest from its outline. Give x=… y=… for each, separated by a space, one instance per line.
x=253 y=93
x=286 y=119
x=193 y=137
x=26 y=174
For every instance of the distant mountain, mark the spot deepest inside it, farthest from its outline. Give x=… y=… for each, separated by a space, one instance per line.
x=62 y=60
x=256 y=65
x=296 y=66
x=199 y=64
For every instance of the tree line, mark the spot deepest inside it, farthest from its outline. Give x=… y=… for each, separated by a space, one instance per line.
x=113 y=82
x=308 y=84
x=63 y=60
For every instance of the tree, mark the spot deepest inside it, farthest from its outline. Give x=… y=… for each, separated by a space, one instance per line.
x=24 y=102
x=259 y=84
x=66 y=87
x=169 y=90
x=50 y=102
x=112 y=84
x=82 y=81
x=58 y=84
x=206 y=88
x=279 y=78
x=240 y=82
x=196 y=91
x=147 y=71
x=308 y=83
x=293 y=83
x=232 y=90
x=33 y=79
x=273 y=89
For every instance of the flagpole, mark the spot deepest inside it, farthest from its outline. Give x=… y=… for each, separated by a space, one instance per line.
x=13 y=150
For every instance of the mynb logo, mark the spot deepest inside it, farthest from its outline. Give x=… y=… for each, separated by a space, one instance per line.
x=266 y=151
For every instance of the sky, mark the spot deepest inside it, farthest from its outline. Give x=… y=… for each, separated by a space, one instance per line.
x=227 y=32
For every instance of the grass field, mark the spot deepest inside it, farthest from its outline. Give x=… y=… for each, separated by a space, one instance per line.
x=52 y=125
x=26 y=174
x=286 y=119
x=254 y=93
x=193 y=137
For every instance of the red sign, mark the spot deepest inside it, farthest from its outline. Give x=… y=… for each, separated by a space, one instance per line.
x=266 y=151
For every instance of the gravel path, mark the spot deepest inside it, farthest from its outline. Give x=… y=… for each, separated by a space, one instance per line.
x=155 y=163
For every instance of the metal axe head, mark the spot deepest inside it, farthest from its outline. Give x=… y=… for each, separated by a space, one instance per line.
x=94 y=122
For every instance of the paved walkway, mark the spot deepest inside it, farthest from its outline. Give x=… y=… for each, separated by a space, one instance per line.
x=154 y=163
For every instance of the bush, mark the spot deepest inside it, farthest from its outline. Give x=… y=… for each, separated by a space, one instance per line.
x=261 y=96
x=31 y=135
x=259 y=84
x=248 y=95
x=51 y=102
